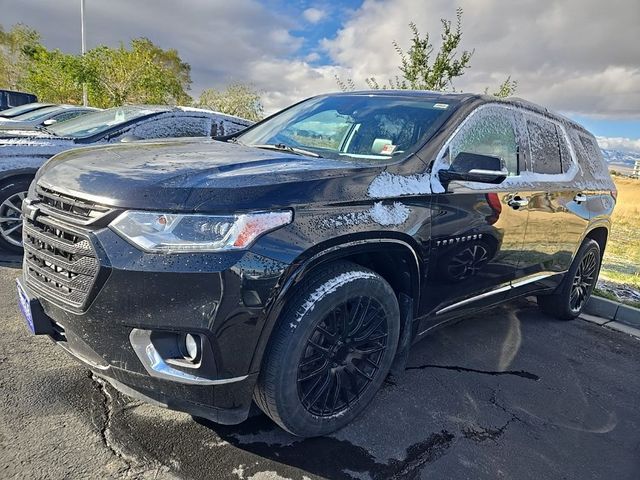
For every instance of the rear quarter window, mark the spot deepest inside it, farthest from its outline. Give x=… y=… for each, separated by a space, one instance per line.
x=592 y=150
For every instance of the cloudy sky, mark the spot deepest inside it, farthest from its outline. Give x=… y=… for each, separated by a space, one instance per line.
x=580 y=57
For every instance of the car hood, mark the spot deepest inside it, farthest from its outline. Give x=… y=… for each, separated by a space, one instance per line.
x=204 y=175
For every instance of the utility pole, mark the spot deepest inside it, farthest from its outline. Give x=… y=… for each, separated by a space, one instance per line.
x=85 y=101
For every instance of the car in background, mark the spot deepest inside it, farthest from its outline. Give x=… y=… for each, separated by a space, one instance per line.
x=20 y=109
x=22 y=155
x=9 y=99
x=42 y=117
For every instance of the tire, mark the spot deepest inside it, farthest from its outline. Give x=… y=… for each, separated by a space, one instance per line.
x=331 y=351
x=571 y=296
x=12 y=193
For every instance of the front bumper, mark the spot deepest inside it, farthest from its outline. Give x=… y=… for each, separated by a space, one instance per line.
x=221 y=297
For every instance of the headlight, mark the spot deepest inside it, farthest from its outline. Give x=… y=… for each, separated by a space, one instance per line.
x=179 y=233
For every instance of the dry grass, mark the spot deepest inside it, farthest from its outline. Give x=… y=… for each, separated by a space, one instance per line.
x=622 y=256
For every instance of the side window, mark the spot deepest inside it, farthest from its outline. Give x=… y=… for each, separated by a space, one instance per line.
x=173 y=126
x=545 y=148
x=490 y=131
x=14 y=99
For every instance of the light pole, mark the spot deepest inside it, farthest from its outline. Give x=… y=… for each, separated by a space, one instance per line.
x=85 y=101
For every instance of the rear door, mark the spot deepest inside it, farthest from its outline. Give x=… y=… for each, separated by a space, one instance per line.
x=477 y=237
x=557 y=208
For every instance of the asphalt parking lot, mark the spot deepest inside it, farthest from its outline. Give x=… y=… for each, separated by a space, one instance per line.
x=507 y=394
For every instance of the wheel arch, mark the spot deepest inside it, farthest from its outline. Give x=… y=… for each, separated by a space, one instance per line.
x=17 y=173
x=599 y=233
x=380 y=255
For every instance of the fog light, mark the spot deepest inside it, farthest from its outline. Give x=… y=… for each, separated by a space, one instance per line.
x=191 y=347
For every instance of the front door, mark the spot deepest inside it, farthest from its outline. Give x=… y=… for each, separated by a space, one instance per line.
x=477 y=229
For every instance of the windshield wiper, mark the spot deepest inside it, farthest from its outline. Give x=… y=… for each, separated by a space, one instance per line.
x=42 y=128
x=286 y=148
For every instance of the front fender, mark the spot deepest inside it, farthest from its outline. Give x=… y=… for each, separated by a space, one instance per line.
x=317 y=256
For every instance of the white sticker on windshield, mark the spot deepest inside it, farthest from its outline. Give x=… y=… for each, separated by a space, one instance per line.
x=388 y=149
x=442 y=106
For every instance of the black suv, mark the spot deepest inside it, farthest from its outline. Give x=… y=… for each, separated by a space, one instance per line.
x=294 y=264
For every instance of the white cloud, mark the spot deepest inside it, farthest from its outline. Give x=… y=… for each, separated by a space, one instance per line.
x=578 y=56
x=619 y=143
x=284 y=82
x=312 y=57
x=314 y=15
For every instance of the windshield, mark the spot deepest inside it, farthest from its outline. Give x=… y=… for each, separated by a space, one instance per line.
x=37 y=114
x=15 y=111
x=358 y=126
x=98 y=122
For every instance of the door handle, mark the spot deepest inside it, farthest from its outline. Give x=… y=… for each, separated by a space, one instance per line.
x=517 y=202
x=580 y=197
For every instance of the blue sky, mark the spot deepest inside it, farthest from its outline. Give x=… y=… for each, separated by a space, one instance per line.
x=578 y=57
x=312 y=33
x=610 y=127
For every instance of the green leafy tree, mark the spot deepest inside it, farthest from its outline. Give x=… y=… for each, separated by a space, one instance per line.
x=505 y=89
x=422 y=67
x=143 y=74
x=178 y=72
x=54 y=76
x=17 y=47
x=236 y=99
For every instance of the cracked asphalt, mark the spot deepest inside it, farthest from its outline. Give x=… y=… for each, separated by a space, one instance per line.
x=508 y=393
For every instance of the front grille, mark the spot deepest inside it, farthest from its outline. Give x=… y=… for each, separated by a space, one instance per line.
x=68 y=208
x=59 y=261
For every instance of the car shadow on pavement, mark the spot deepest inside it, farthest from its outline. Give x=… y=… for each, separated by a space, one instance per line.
x=328 y=456
x=415 y=418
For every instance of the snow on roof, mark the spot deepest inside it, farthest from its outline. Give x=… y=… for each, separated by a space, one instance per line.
x=216 y=113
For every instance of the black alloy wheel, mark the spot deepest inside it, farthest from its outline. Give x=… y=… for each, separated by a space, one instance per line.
x=342 y=356
x=332 y=348
x=583 y=281
x=571 y=296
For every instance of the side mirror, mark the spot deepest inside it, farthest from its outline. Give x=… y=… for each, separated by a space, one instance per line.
x=130 y=138
x=474 y=167
x=50 y=121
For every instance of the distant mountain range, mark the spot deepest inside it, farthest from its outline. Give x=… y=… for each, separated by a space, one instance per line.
x=621 y=158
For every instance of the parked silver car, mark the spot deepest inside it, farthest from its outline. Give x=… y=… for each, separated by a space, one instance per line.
x=20 y=109
x=22 y=155
x=42 y=117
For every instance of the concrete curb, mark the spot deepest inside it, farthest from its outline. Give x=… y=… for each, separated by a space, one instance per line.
x=619 y=327
x=613 y=311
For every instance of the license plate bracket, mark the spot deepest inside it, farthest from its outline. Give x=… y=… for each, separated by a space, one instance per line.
x=35 y=318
